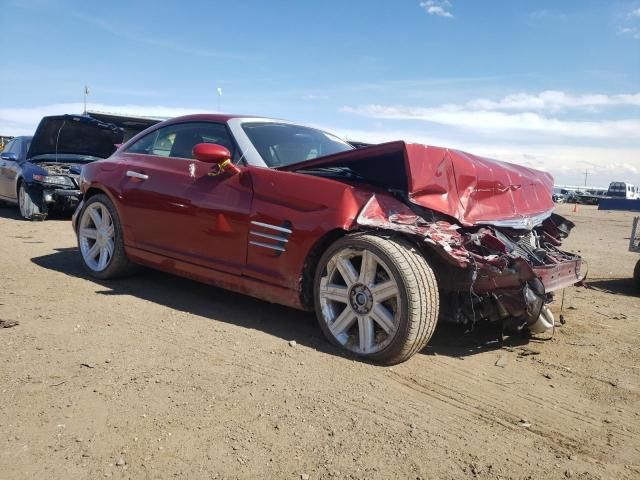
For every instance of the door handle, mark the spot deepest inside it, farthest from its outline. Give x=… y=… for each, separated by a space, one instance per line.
x=139 y=176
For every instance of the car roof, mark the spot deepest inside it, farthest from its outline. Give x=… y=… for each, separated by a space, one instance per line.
x=206 y=117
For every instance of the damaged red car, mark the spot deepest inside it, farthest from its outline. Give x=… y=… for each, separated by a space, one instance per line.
x=382 y=241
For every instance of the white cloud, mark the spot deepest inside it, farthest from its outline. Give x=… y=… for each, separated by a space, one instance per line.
x=492 y=121
x=524 y=112
x=634 y=13
x=438 y=8
x=632 y=32
x=554 y=101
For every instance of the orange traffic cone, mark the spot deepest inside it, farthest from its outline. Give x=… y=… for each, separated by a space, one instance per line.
x=575 y=207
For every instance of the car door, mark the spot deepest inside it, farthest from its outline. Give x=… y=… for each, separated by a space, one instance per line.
x=8 y=169
x=171 y=205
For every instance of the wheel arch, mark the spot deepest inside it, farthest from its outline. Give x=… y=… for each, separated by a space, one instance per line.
x=94 y=190
x=311 y=264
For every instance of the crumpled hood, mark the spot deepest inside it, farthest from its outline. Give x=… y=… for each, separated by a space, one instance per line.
x=474 y=190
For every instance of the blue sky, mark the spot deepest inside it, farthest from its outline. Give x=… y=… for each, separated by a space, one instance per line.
x=549 y=84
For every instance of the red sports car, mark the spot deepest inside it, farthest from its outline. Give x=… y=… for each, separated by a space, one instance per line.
x=381 y=241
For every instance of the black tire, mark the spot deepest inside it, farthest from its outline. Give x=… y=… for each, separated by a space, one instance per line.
x=29 y=208
x=119 y=264
x=636 y=275
x=418 y=293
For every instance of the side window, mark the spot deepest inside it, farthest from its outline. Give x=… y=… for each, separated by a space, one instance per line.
x=178 y=140
x=17 y=148
x=8 y=146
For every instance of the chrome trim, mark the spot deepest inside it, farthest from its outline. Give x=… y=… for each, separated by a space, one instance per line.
x=269 y=236
x=273 y=227
x=266 y=245
x=140 y=176
x=523 y=223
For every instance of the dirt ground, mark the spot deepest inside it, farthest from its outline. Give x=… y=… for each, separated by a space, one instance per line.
x=160 y=377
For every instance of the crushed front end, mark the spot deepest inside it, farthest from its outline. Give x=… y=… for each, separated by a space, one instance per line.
x=487 y=272
x=55 y=185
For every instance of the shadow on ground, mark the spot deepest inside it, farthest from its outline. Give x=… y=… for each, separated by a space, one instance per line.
x=615 y=286
x=222 y=305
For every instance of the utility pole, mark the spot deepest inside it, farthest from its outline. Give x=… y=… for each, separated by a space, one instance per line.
x=586 y=174
x=86 y=92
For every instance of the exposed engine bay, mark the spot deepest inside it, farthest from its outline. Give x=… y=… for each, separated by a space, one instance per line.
x=56 y=168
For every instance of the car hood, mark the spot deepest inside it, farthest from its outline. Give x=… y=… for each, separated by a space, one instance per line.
x=472 y=189
x=84 y=135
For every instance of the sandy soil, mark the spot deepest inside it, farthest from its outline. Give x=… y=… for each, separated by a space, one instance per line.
x=160 y=377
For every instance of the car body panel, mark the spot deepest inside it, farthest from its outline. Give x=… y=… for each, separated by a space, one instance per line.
x=181 y=212
x=9 y=167
x=485 y=226
x=471 y=189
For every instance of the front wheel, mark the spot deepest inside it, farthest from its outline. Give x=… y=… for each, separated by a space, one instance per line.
x=100 y=239
x=376 y=297
x=29 y=209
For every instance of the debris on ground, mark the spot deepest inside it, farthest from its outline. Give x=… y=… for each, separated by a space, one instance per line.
x=88 y=365
x=526 y=351
x=8 y=323
x=292 y=343
x=502 y=361
x=524 y=423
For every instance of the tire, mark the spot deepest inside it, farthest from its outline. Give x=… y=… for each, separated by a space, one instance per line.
x=636 y=275
x=105 y=237
x=385 y=312
x=29 y=209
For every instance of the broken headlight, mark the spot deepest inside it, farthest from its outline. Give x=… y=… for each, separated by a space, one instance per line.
x=59 y=180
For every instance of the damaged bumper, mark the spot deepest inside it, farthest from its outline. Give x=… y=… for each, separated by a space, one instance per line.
x=61 y=197
x=488 y=272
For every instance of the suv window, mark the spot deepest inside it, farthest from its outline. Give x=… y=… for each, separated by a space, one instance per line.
x=178 y=140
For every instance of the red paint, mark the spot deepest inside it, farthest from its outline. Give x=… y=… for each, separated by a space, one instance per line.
x=467 y=187
x=211 y=153
x=190 y=219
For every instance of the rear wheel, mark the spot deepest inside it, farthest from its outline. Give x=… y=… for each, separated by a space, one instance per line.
x=636 y=275
x=100 y=239
x=29 y=209
x=376 y=297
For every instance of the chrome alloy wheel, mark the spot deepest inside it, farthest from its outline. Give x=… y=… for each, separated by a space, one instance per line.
x=360 y=301
x=97 y=236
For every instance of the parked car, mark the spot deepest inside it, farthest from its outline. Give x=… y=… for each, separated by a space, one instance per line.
x=40 y=173
x=634 y=246
x=13 y=154
x=380 y=241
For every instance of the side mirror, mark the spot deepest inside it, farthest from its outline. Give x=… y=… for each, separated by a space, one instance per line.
x=11 y=156
x=211 y=153
x=216 y=154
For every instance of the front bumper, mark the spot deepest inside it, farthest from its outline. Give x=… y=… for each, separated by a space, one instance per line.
x=562 y=275
x=65 y=198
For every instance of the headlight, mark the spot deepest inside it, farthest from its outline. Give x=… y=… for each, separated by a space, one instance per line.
x=55 y=180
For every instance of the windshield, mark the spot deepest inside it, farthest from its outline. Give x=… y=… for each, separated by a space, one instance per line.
x=282 y=144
